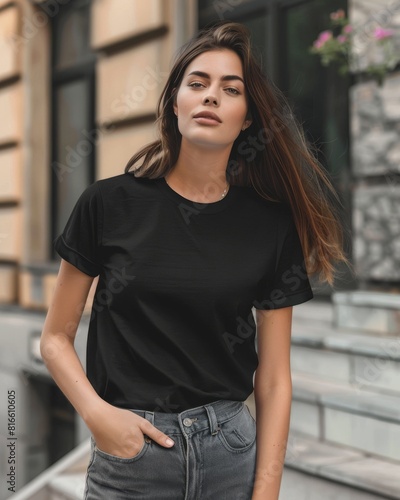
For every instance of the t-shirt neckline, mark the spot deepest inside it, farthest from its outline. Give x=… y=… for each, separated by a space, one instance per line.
x=180 y=200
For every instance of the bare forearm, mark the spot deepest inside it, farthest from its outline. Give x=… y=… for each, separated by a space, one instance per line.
x=58 y=336
x=273 y=418
x=66 y=369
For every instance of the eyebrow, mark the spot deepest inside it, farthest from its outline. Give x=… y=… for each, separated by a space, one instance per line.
x=224 y=78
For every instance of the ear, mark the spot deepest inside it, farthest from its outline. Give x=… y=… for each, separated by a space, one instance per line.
x=248 y=121
x=247 y=124
x=175 y=106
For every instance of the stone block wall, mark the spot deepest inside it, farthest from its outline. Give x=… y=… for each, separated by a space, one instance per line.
x=376 y=219
x=366 y=16
x=375 y=151
x=375 y=127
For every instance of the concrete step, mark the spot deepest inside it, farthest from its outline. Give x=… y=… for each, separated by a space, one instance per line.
x=342 y=467
x=299 y=485
x=370 y=361
x=317 y=333
x=64 y=480
x=367 y=310
x=342 y=414
x=68 y=486
x=316 y=310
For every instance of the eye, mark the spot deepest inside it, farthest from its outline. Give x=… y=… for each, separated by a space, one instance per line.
x=195 y=85
x=232 y=90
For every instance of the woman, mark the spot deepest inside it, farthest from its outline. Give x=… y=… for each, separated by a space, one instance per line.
x=227 y=211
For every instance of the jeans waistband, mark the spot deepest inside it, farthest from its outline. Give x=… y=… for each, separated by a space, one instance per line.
x=193 y=420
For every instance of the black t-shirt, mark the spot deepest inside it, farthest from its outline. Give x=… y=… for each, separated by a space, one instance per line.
x=172 y=325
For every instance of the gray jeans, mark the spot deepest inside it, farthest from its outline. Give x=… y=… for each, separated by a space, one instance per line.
x=213 y=458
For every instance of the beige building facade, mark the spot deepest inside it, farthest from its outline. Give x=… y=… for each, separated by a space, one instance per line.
x=131 y=45
x=79 y=84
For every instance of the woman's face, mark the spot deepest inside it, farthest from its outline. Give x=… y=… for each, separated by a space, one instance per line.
x=211 y=101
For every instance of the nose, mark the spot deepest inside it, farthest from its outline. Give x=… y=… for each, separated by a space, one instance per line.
x=210 y=100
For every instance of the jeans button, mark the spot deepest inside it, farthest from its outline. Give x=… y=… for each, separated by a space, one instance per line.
x=187 y=422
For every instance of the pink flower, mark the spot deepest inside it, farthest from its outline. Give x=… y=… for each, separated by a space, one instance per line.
x=382 y=33
x=339 y=14
x=342 y=38
x=324 y=36
x=348 y=28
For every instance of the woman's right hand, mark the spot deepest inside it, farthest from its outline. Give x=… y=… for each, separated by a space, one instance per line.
x=120 y=432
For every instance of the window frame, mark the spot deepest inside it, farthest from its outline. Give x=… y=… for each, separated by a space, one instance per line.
x=82 y=70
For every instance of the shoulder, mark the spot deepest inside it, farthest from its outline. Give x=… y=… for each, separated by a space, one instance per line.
x=124 y=180
x=121 y=186
x=279 y=211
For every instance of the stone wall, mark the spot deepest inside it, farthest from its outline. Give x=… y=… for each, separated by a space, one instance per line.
x=375 y=127
x=376 y=242
x=375 y=151
x=365 y=16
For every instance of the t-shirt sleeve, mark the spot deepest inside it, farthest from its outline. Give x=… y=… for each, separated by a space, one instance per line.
x=288 y=285
x=80 y=242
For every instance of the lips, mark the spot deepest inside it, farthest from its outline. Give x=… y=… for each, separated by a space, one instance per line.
x=209 y=116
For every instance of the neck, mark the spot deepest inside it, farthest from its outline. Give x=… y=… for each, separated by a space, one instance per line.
x=200 y=174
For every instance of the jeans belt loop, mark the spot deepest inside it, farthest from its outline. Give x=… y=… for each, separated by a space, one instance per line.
x=212 y=417
x=148 y=415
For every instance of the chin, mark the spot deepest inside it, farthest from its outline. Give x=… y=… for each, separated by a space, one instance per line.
x=206 y=143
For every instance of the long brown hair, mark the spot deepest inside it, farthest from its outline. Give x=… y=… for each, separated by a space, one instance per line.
x=281 y=168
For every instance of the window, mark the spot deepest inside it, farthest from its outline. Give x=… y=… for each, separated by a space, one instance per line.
x=73 y=105
x=318 y=95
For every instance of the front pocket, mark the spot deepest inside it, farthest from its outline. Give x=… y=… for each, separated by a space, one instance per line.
x=114 y=458
x=238 y=434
